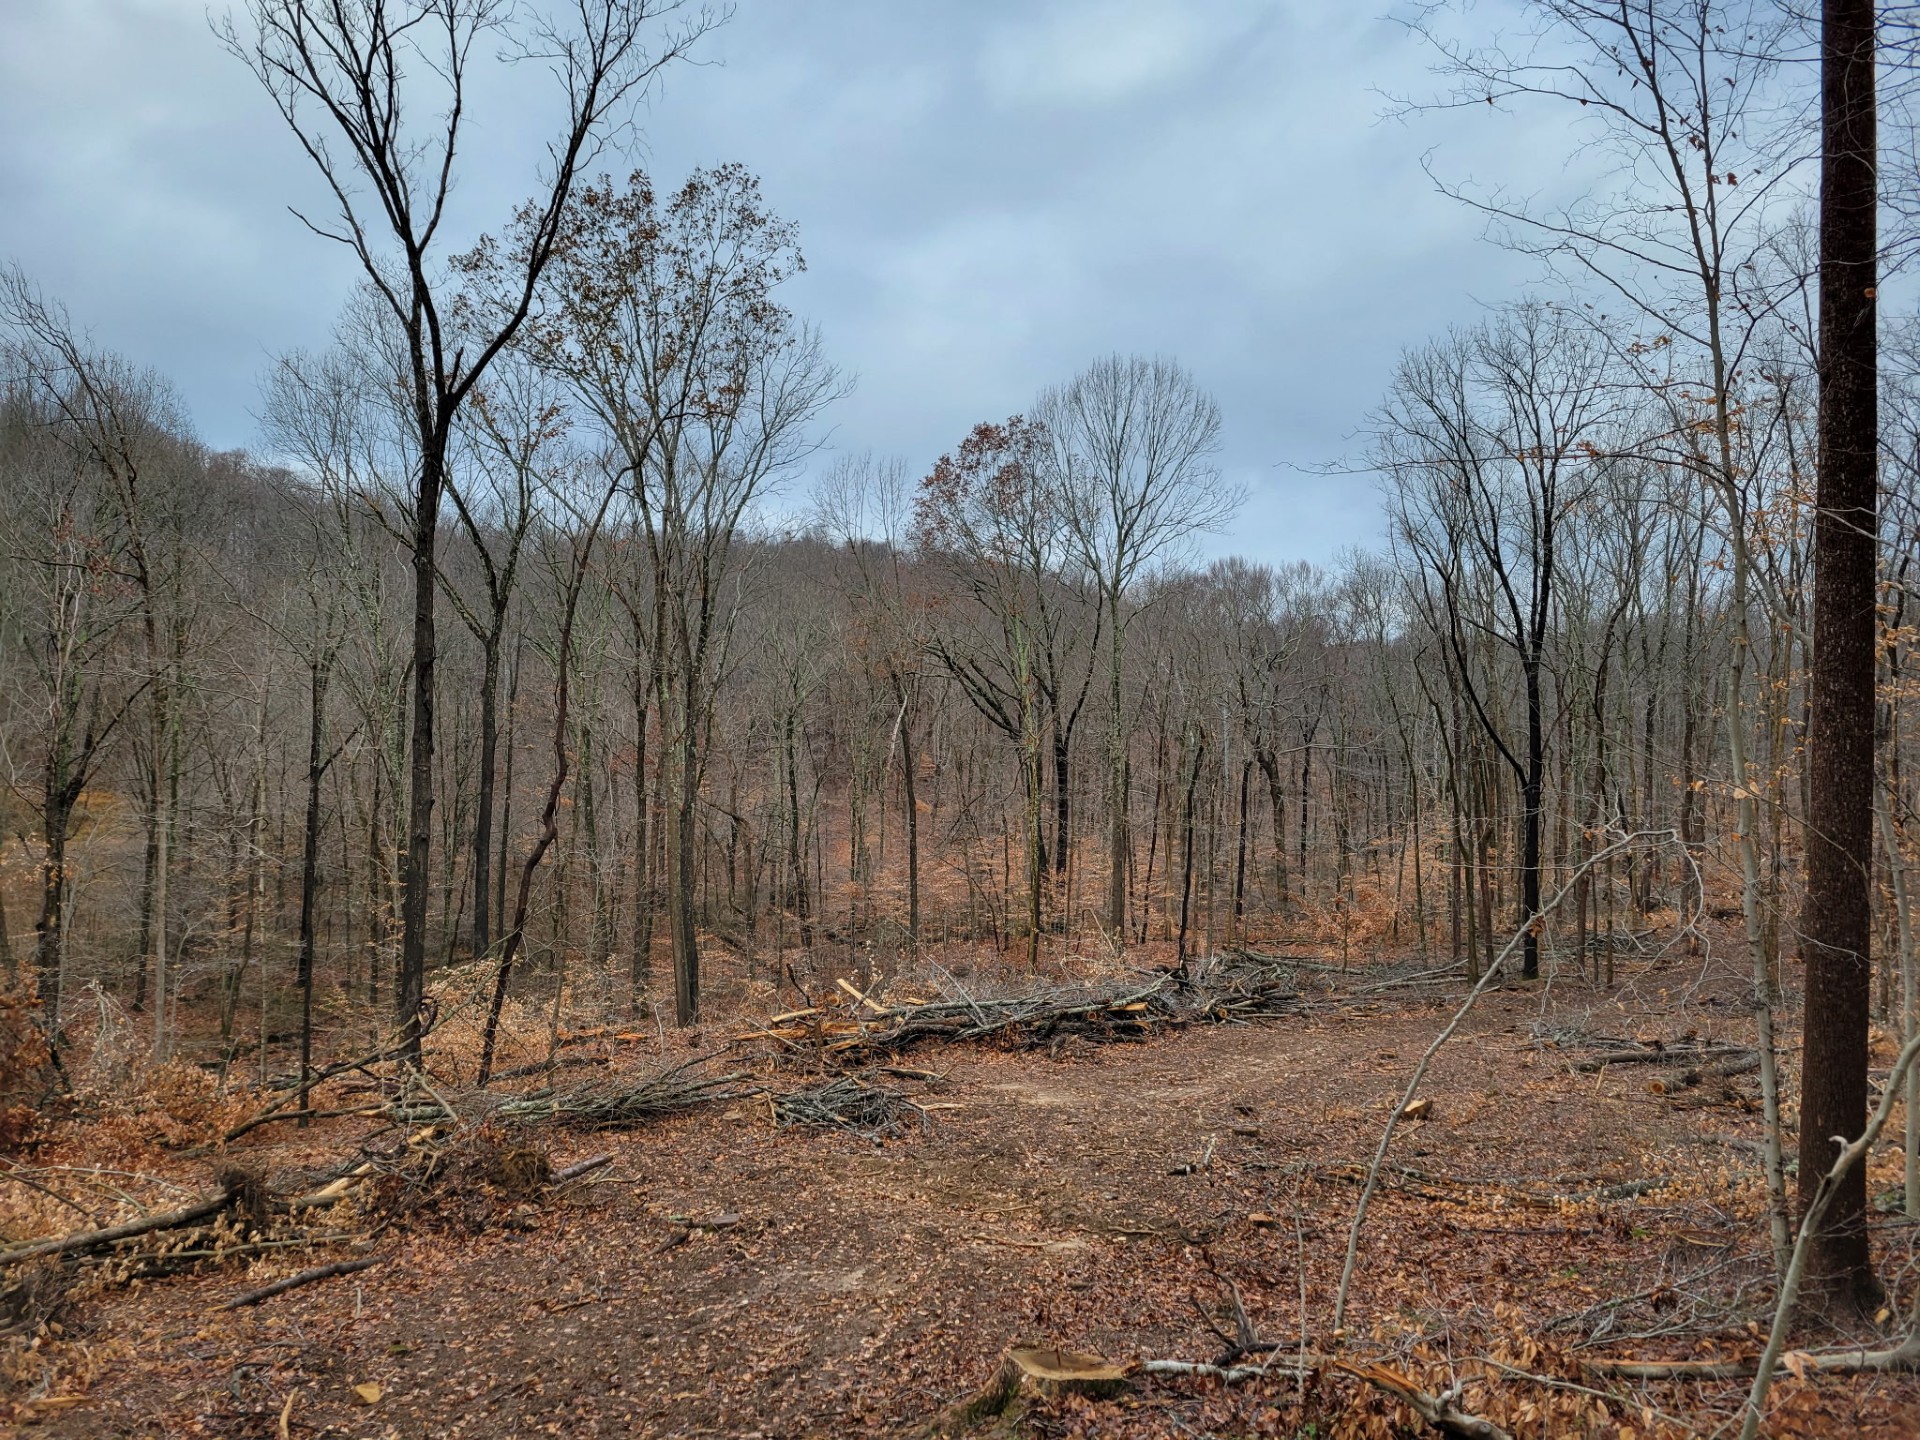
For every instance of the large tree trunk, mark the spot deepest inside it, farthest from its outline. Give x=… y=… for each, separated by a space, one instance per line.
x=410 y=992
x=143 y=942
x=1277 y=802
x=1186 y=849
x=1240 y=849
x=1062 y=801
x=163 y=798
x=796 y=859
x=1836 y=926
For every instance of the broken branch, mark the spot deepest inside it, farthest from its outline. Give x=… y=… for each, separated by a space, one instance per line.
x=294 y=1282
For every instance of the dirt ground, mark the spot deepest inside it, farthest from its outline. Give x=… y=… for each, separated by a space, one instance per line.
x=865 y=1286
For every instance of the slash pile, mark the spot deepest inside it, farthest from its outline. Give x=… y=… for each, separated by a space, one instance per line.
x=1215 y=990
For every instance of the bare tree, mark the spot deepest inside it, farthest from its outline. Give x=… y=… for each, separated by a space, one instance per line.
x=986 y=514
x=123 y=426
x=513 y=421
x=345 y=75
x=60 y=546
x=1129 y=447
x=664 y=322
x=1692 y=104
x=1491 y=442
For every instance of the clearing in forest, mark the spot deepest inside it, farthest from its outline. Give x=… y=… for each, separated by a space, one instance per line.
x=1559 y=1198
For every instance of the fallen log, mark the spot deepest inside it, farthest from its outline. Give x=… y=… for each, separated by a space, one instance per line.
x=281 y=1116
x=1848 y=1361
x=686 y=1225
x=1295 y=1366
x=547 y=1067
x=91 y=1239
x=1427 y=1186
x=1667 y=1055
x=334 y=1190
x=294 y=1282
x=1735 y=1369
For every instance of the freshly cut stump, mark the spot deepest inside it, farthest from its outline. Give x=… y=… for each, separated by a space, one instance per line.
x=1033 y=1372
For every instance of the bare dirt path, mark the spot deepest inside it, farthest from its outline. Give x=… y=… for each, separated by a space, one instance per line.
x=866 y=1285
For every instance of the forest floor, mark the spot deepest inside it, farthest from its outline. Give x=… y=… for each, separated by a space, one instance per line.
x=1093 y=1197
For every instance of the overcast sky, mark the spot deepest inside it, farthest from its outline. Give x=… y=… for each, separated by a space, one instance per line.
x=990 y=194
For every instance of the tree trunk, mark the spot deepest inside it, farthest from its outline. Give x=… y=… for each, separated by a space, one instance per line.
x=482 y=932
x=909 y=781
x=796 y=858
x=310 y=869
x=640 y=970
x=163 y=801
x=1116 y=782
x=416 y=882
x=1062 y=800
x=50 y=935
x=1530 y=803
x=1240 y=848
x=680 y=881
x=1836 y=925
x=1186 y=848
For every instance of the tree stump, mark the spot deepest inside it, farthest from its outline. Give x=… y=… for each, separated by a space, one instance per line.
x=1027 y=1373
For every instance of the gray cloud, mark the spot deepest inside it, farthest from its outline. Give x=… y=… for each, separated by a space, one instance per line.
x=990 y=194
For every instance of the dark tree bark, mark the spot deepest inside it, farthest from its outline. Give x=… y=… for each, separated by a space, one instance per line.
x=1186 y=849
x=1836 y=926
x=909 y=768
x=317 y=764
x=483 y=802
x=797 y=897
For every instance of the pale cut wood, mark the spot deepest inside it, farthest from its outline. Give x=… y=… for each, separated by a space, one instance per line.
x=1029 y=1372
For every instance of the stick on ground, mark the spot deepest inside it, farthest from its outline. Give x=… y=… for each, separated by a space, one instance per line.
x=294 y=1282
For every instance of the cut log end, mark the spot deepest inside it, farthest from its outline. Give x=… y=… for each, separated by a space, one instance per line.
x=1028 y=1373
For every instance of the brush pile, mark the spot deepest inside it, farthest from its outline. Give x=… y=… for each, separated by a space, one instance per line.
x=1213 y=990
x=464 y=1159
x=237 y=1219
x=598 y=1107
x=867 y=1109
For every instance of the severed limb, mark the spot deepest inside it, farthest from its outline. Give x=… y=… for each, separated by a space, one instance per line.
x=1443 y=1411
x=294 y=1282
x=89 y=1239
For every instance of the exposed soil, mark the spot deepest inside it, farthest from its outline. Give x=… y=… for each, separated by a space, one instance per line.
x=865 y=1286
